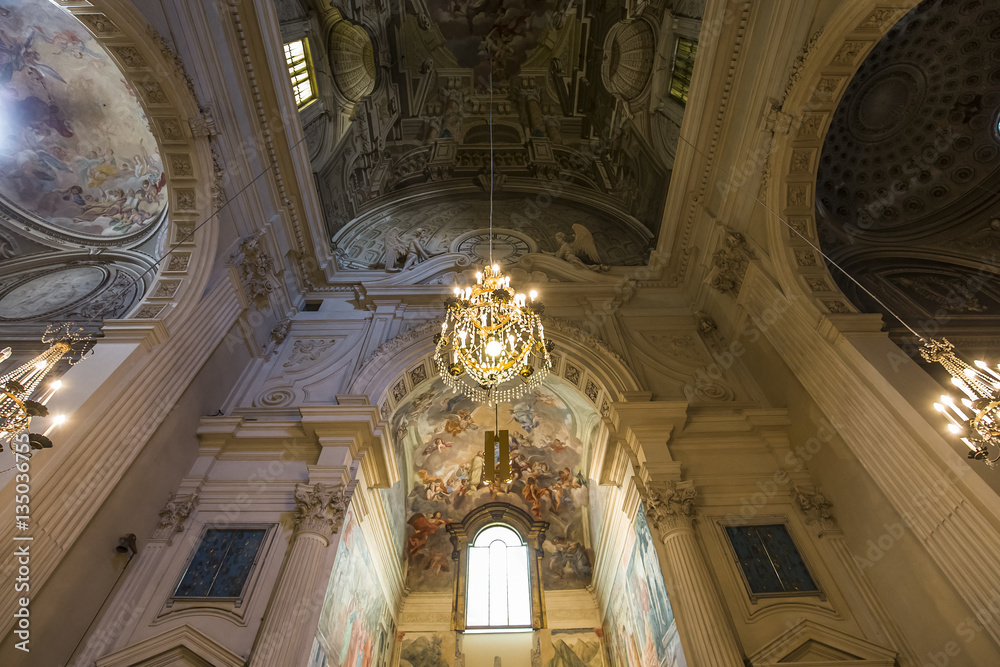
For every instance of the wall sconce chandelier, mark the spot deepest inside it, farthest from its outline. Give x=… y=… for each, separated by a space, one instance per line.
x=975 y=418
x=18 y=399
x=492 y=343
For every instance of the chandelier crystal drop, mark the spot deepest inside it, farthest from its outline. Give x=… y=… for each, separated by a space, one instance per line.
x=19 y=398
x=492 y=343
x=975 y=417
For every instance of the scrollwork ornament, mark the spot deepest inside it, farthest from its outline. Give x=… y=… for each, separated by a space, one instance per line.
x=671 y=505
x=173 y=515
x=816 y=508
x=319 y=508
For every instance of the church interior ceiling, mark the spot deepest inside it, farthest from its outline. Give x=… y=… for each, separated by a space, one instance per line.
x=82 y=184
x=909 y=179
x=584 y=130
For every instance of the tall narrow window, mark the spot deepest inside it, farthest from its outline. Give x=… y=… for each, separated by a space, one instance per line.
x=498 y=593
x=300 y=71
x=222 y=564
x=680 y=78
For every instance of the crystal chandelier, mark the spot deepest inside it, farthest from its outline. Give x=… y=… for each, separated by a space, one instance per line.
x=975 y=418
x=18 y=402
x=492 y=343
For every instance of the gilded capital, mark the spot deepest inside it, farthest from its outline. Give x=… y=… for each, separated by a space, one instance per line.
x=670 y=505
x=319 y=508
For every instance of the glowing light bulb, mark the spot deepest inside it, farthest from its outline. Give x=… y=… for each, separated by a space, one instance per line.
x=954 y=429
x=40 y=365
x=493 y=348
x=496 y=268
x=57 y=385
x=533 y=294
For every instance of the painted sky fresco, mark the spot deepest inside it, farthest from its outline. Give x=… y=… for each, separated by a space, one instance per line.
x=639 y=624
x=355 y=620
x=75 y=148
x=474 y=28
x=442 y=436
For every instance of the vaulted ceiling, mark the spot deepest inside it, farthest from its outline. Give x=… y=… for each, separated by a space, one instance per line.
x=909 y=179
x=584 y=130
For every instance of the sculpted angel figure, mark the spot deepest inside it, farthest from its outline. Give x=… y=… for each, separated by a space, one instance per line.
x=411 y=251
x=581 y=247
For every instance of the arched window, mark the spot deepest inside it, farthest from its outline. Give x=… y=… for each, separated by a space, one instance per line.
x=498 y=593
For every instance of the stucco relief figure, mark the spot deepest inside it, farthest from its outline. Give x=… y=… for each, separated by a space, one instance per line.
x=410 y=251
x=580 y=248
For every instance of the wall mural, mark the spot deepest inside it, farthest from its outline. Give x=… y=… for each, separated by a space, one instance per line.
x=76 y=151
x=355 y=621
x=509 y=28
x=427 y=649
x=442 y=436
x=436 y=225
x=639 y=622
x=573 y=648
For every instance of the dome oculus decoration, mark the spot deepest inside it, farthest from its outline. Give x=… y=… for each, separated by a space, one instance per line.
x=77 y=158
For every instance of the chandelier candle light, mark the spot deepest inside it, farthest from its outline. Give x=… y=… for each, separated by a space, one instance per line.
x=975 y=418
x=492 y=343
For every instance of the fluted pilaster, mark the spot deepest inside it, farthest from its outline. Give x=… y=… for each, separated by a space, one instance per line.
x=706 y=634
x=290 y=622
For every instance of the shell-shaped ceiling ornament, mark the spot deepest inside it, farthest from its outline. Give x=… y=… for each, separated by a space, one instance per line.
x=629 y=49
x=352 y=56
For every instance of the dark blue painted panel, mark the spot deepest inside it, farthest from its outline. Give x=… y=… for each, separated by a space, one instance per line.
x=769 y=560
x=222 y=564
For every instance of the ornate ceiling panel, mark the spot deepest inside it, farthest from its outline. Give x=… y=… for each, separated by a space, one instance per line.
x=580 y=128
x=77 y=159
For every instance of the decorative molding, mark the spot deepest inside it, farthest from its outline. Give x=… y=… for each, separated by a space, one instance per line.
x=731 y=261
x=254 y=267
x=670 y=505
x=173 y=515
x=816 y=508
x=319 y=508
x=306 y=350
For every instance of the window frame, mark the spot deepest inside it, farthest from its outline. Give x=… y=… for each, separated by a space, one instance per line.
x=522 y=544
x=673 y=67
x=761 y=522
x=310 y=72
x=252 y=575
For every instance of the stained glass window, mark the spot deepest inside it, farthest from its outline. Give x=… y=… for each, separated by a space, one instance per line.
x=680 y=78
x=300 y=71
x=498 y=594
x=770 y=562
x=222 y=564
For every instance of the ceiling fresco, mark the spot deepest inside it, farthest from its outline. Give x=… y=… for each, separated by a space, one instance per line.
x=77 y=158
x=580 y=122
x=440 y=443
x=909 y=176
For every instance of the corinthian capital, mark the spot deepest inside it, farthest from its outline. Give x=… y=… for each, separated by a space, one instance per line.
x=816 y=508
x=670 y=505
x=319 y=508
x=173 y=515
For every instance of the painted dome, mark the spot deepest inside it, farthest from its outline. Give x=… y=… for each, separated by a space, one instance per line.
x=77 y=158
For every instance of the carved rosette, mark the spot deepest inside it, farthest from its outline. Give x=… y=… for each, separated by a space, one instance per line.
x=319 y=508
x=816 y=508
x=670 y=506
x=173 y=515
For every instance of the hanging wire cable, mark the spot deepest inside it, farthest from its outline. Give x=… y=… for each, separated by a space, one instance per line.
x=809 y=242
x=491 y=159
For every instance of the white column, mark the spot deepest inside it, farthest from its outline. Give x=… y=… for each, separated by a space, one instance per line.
x=290 y=622
x=706 y=634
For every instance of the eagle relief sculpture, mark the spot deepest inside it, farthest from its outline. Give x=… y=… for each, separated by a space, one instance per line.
x=405 y=253
x=581 y=252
